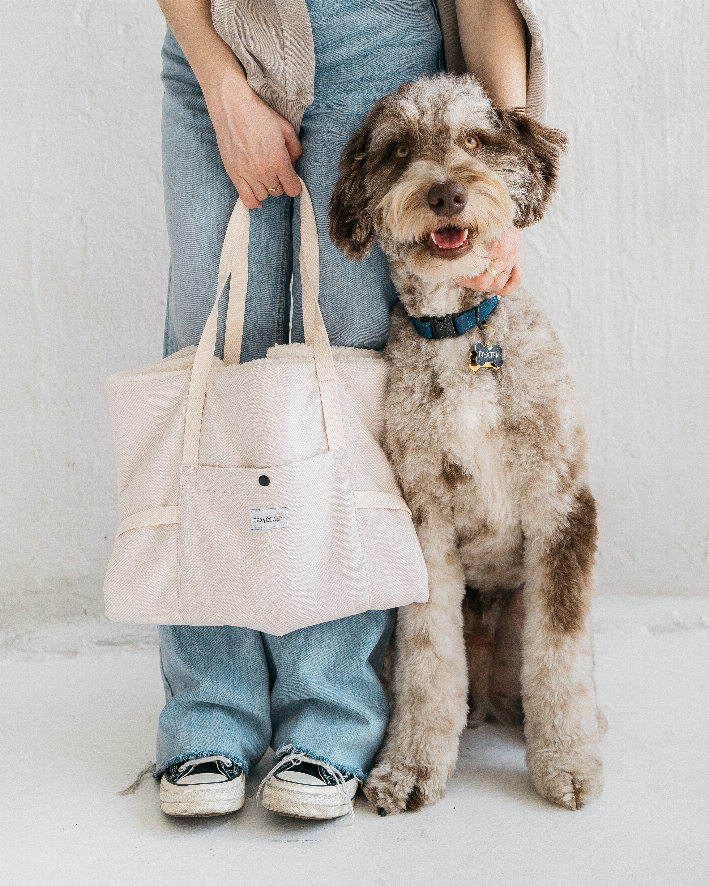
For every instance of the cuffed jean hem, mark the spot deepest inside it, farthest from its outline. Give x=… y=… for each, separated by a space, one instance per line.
x=183 y=758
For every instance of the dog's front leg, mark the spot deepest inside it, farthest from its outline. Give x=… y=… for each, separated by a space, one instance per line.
x=430 y=684
x=562 y=722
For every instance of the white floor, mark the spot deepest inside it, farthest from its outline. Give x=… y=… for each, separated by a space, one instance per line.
x=79 y=707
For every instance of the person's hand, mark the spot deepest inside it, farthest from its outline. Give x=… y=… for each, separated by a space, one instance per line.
x=504 y=255
x=258 y=147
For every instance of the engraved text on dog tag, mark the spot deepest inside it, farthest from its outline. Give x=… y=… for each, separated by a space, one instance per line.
x=486 y=356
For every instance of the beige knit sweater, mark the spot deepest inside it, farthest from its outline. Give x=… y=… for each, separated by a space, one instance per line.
x=273 y=40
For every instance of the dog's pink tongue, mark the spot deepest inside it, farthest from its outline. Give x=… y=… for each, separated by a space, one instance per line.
x=449 y=238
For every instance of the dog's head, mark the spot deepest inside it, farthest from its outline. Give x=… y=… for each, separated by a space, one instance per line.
x=436 y=172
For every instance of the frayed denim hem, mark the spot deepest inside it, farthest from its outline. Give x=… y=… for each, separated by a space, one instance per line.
x=196 y=755
x=301 y=749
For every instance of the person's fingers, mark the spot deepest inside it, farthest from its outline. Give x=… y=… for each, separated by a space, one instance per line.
x=258 y=188
x=496 y=276
x=293 y=145
x=264 y=163
x=288 y=178
x=283 y=166
x=513 y=281
x=273 y=186
x=502 y=275
x=493 y=279
x=246 y=193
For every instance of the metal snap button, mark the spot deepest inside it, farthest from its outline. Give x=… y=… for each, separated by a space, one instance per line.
x=263 y=480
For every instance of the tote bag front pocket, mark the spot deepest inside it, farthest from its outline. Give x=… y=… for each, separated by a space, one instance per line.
x=278 y=546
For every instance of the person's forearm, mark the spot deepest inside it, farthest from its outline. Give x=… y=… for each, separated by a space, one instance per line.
x=257 y=146
x=209 y=56
x=493 y=37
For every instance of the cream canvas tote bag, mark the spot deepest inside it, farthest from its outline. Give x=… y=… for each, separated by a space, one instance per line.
x=257 y=494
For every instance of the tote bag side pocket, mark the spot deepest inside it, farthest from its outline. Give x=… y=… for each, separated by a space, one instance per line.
x=141 y=583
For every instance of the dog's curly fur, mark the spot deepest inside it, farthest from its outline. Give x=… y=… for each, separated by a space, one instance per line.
x=492 y=463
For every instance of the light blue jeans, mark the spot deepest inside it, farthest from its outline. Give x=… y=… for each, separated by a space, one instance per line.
x=230 y=690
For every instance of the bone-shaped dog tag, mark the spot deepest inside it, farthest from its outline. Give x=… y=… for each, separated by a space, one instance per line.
x=486 y=356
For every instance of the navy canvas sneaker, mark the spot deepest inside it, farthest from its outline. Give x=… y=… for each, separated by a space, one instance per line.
x=303 y=787
x=201 y=787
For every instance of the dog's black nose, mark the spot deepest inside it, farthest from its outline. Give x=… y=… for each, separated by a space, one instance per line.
x=447 y=198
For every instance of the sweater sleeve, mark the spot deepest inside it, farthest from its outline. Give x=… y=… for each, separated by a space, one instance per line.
x=273 y=41
x=537 y=67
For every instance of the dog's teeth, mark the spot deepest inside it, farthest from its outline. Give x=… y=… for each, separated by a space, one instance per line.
x=432 y=235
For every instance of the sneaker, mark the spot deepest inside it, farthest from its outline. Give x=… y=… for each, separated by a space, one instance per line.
x=306 y=788
x=201 y=787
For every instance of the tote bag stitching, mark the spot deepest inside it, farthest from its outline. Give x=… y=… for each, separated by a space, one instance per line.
x=356 y=523
x=361 y=546
x=179 y=550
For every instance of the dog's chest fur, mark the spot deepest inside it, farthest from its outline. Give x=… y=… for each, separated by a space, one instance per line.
x=479 y=443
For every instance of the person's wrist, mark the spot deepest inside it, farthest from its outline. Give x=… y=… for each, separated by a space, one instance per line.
x=215 y=66
x=229 y=98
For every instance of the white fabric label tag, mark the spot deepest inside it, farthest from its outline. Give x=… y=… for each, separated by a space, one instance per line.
x=269 y=518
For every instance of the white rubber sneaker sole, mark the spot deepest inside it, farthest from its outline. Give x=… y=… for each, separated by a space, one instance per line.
x=202 y=800
x=307 y=801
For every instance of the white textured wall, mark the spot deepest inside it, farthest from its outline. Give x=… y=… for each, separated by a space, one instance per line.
x=621 y=260
x=83 y=265
x=624 y=259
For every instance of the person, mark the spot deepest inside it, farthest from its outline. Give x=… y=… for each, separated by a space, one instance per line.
x=252 y=100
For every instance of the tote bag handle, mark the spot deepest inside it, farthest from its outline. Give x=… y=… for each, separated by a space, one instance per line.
x=234 y=264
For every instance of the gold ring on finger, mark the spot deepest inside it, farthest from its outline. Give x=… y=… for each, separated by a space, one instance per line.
x=493 y=273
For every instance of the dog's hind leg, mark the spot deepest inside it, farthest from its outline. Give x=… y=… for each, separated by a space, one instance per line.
x=493 y=642
x=430 y=684
x=559 y=697
x=479 y=623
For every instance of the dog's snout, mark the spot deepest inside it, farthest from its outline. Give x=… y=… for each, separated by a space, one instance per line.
x=447 y=198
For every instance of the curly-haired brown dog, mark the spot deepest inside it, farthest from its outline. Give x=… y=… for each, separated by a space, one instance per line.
x=492 y=461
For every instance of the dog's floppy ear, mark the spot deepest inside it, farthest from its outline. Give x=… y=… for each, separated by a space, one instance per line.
x=351 y=226
x=541 y=148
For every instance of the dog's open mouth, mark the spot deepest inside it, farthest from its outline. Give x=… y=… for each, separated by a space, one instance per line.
x=449 y=242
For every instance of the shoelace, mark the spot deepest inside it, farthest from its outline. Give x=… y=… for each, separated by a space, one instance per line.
x=150 y=768
x=290 y=755
x=131 y=789
x=200 y=760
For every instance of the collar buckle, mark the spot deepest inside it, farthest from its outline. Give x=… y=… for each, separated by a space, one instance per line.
x=442 y=327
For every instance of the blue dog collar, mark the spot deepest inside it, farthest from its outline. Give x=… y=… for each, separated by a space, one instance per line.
x=451 y=325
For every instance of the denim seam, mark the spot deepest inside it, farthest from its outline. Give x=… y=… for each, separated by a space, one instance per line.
x=301 y=749
x=164 y=676
x=441 y=50
x=195 y=755
x=167 y=347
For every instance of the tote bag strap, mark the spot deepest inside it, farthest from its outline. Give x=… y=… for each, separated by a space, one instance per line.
x=234 y=264
x=314 y=325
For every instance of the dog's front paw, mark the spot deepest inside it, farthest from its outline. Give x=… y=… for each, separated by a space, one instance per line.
x=570 y=777
x=397 y=785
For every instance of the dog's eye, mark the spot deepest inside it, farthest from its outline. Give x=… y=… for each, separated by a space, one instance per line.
x=471 y=142
x=401 y=151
